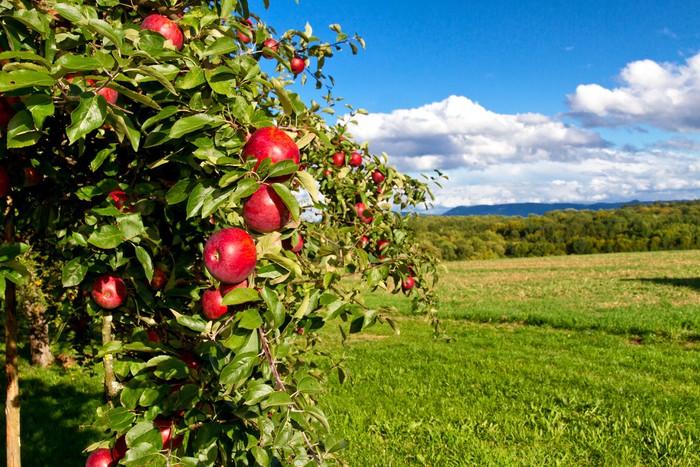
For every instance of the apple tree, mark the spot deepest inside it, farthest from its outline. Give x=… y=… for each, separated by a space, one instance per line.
x=207 y=219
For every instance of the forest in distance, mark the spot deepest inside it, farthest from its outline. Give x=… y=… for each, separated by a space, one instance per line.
x=645 y=227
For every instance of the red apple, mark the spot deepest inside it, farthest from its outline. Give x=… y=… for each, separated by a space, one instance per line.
x=212 y=306
x=100 y=458
x=32 y=177
x=408 y=283
x=271 y=44
x=190 y=359
x=355 y=159
x=109 y=291
x=360 y=210
x=166 y=427
x=382 y=245
x=165 y=27
x=327 y=173
x=265 y=211
x=153 y=336
x=6 y=112
x=364 y=241
x=4 y=182
x=378 y=177
x=109 y=94
x=229 y=255
x=339 y=159
x=119 y=197
x=297 y=64
x=248 y=35
x=295 y=248
x=160 y=278
x=119 y=449
x=271 y=143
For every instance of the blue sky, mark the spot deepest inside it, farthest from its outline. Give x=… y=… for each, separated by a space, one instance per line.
x=504 y=60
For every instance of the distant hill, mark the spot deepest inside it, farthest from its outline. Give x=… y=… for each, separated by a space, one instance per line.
x=527 y=209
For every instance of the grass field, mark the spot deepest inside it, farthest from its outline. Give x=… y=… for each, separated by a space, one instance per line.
x=590 y=360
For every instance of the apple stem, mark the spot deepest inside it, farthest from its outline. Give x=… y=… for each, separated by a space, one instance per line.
x=279 y=384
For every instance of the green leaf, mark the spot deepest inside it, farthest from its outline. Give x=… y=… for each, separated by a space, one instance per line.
x=106 y=237
x=196 y=199
x=171 y=368
x=70 y=62
x=33 y=19
x=131 y=226
x=125 y=126
x=221 y=46
x=40 y=106
x=194 y=323
x=105 y=29
x=277 y=399
x=235 y=373
x=193 y=123
x=283 y=97
x=69 y=12
x=21 y=132
x=144 y=432
x=11 y=251
x=288 y=198
x=240 y=296
x=178 y=192
x=250 y=319
x=145 y=260
x=191 y=80
x=156 y=74
x=20 y=79
x=167 y=112
x=73 y=272
x=256 y=392
x=134 y=96
x=88 y=116
x=100 y=157
x=309 y=184
x=281 y=168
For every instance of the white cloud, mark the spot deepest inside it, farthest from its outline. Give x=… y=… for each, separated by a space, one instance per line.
x=496 y=158
x=458 y=132
x=664 y=95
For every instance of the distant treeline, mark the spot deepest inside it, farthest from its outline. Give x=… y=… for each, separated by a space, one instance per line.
x=651 y=227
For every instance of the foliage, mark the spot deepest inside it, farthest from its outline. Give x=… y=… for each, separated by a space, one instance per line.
x=133 y=187
x=661 y=226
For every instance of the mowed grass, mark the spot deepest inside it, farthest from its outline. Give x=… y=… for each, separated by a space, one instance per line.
x=590 y=360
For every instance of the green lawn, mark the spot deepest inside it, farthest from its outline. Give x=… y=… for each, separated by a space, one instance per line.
x=590 y=360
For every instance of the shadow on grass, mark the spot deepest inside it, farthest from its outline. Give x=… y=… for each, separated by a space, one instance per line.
x=51 y=421
x=690 y=282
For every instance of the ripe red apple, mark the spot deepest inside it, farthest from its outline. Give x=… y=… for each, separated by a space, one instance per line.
x=339 y=159
x=229 y=255
x=355 y=159
x=165 y=27
x=364 y=241
x=248 y=35
x=166 y=427
x=265 y=211
x=382 y=245
x=212 y=306
x=408 y=283
x=297 y=64
x=361 y=210
x=296 y=248
x=6 y=112
x=100 y=458
x=327 y=173
x=378 y=177
x=271 y=44
x=109 y=291
x=271 y=143
x=153 y=336
x=190 y=359
x=160 y=278
x=32 y=176
x=119 y=198
x=120 y=448
x=4 y=182
x=109 y=94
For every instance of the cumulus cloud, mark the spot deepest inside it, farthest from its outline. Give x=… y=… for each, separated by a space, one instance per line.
x=458 y=132
x=664 y=95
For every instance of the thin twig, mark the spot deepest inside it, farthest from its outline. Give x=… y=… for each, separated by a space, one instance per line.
x=279 y=384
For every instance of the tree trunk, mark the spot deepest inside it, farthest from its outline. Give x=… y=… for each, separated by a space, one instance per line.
x=12 y=402
x=111 y=385
x=38 y=334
